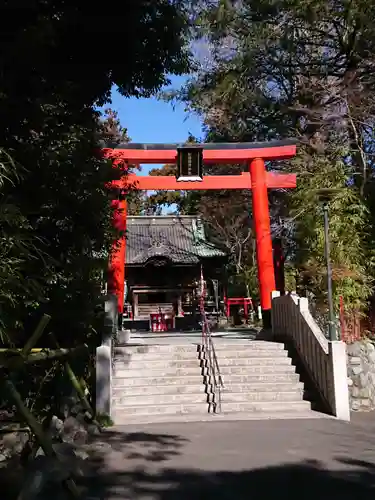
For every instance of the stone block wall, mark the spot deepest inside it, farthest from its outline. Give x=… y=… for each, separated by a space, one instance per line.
x=361 y=375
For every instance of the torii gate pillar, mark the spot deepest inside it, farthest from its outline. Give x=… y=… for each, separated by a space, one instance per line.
x=256 y=179
x=116 y=277
x=262 y=226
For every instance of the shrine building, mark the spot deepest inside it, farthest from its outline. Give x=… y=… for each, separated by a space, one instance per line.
x=164 y=259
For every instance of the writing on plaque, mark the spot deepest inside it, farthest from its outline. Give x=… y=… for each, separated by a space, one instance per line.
x=189 y=164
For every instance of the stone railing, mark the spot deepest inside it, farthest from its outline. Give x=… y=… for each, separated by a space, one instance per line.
x=324 y=361
x=104 y=358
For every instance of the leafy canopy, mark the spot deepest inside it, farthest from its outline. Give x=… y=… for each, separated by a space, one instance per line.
x=58 y=60
x=304 y=69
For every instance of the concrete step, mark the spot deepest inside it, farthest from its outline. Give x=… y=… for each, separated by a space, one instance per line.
x=148 y=364
x=154 y=348
x=255 y=360
x=166 y=371
x=145 y=363
x=246 y=346
x=265 y=406
x=266 y=359
x=182 y=349
x=186 y=356
x=260 y=373
x=156 y=358
x=174 y=356
x=170 y=355
x=251 y=353
x=121 y=381
x=272 y=375
x=264 y=365
x=224 y=363
x=121 y=418
x=200 y=397
x=244 y=367
x=257 y=386
x=143 y=390
x=161 y=399
x=191 y=371
x=162 y=409
x=260 y=396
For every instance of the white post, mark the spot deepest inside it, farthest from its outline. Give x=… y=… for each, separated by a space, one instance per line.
x=104 y=358
x=274 y=295
x=337 y=353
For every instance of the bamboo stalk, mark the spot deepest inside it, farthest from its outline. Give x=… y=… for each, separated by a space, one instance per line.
x=85 y=389
x=78 y=388
x=77 y=385
x=38 y=332
x=15 y=362
x=11 y=429
x=18 y=351
x=37 y=430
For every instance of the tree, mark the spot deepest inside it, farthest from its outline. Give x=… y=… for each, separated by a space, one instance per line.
x=110 y=129
x=159 y=199
x=58 y=63
x=112 y=132
x=17 y=248
x=181 y=199
x=52 y=132
x=305 y=69
x=225 y=214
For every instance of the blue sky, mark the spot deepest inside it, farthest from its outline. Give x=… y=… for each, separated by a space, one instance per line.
x=151 y=120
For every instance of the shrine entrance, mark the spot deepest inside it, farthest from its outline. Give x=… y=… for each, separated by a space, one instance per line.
x=190 y=160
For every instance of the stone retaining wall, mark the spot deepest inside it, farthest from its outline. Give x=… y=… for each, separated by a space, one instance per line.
x=361 y=375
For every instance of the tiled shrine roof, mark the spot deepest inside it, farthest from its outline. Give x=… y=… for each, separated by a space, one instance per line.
x=181 y=239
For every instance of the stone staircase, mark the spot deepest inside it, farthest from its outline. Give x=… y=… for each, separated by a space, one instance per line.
x=157 y=382
x=165 y=383
x=259 y=378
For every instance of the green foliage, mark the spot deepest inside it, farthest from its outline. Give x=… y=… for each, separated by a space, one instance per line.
x=250 y=279
x=186 y=202
x=55 y=217
x=227 y=220
x=304 y=69
x=104 y=420
x=350 y=231
x=17 y=249
x=57 y=221
x=68 y=214
x=156 y=201
x=110 y=129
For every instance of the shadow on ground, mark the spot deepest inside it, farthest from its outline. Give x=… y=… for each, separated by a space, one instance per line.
x=143 y=446
x=299 y=481
x=141 y=475
x=305 y=460
x=127 y=447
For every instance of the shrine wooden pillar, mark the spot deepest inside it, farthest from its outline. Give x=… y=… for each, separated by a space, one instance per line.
x=262 y=226
x=116 y=278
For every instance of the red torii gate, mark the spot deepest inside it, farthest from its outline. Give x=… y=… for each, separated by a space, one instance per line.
x=257 y=179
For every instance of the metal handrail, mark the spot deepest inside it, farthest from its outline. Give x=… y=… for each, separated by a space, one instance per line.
x=209 y=347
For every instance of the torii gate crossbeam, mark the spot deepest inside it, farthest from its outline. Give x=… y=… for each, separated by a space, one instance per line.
x=257 y=179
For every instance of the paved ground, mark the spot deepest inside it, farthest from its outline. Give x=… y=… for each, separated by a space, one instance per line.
x=255 y=460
